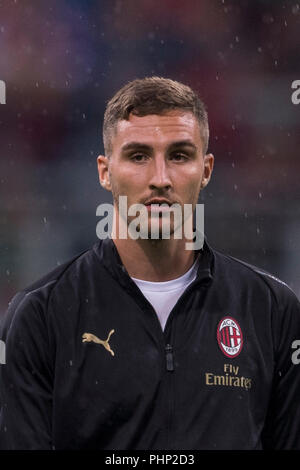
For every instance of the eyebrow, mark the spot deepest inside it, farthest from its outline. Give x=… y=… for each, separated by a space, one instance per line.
x=172 y=146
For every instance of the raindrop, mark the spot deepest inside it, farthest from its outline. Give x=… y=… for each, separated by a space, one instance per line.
x=268 y=19
x=71 y=363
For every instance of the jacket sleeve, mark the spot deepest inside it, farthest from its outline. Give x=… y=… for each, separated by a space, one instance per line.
x=26 y=378
x=282 y=427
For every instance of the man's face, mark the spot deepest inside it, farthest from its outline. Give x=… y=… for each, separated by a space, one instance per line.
x=157 y=158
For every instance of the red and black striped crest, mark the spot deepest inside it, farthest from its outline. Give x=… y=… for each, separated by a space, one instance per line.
x=230 y=337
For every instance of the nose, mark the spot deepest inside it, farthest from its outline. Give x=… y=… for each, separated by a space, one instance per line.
x=160 y=178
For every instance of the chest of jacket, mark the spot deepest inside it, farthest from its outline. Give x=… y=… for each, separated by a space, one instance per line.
x=121 y=382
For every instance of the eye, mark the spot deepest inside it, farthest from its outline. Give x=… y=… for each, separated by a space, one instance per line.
x=138 y=157
x=179 y=157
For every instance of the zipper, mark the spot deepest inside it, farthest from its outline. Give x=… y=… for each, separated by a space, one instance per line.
x=170 y=379
x=169 y=358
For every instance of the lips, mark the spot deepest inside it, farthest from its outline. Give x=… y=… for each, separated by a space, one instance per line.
x=158 y=206
x=158 y=201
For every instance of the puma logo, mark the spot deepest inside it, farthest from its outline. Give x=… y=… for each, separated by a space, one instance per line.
x=89 y=337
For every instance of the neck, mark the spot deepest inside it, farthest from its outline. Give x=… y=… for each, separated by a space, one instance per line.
x=151 y=260
x=154 y=260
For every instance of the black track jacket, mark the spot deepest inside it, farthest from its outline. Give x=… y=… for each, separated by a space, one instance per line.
x=220 y=376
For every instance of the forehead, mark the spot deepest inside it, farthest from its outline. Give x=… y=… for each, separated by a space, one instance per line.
x=154 y=129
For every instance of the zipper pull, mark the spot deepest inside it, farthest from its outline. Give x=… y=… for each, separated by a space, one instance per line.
x=169 y=357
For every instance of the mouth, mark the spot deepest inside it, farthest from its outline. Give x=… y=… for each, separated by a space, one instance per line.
x=158 y=201
x=158 y=205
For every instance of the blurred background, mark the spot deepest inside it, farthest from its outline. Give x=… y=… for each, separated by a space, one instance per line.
x=62 y=60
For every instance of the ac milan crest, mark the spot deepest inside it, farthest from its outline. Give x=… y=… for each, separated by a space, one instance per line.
x=230 y=337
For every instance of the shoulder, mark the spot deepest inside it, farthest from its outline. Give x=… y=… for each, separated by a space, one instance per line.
x=30 y=304
x=252 y=277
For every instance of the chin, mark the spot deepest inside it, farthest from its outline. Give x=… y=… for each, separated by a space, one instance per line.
x=159 y=231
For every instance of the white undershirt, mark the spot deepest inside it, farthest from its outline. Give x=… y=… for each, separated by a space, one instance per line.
x=164 y=295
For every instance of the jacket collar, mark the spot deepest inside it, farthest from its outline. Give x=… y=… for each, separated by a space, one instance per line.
x=110 y=259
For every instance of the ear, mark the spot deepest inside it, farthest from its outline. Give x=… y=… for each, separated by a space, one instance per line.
x=208 y=169
x=103 y=172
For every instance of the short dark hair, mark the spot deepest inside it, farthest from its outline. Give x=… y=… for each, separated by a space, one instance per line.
x=152 y=95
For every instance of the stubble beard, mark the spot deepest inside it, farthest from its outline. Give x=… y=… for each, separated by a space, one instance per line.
x=152 y=220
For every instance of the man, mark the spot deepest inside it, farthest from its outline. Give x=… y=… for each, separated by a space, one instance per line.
x=139 y=343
